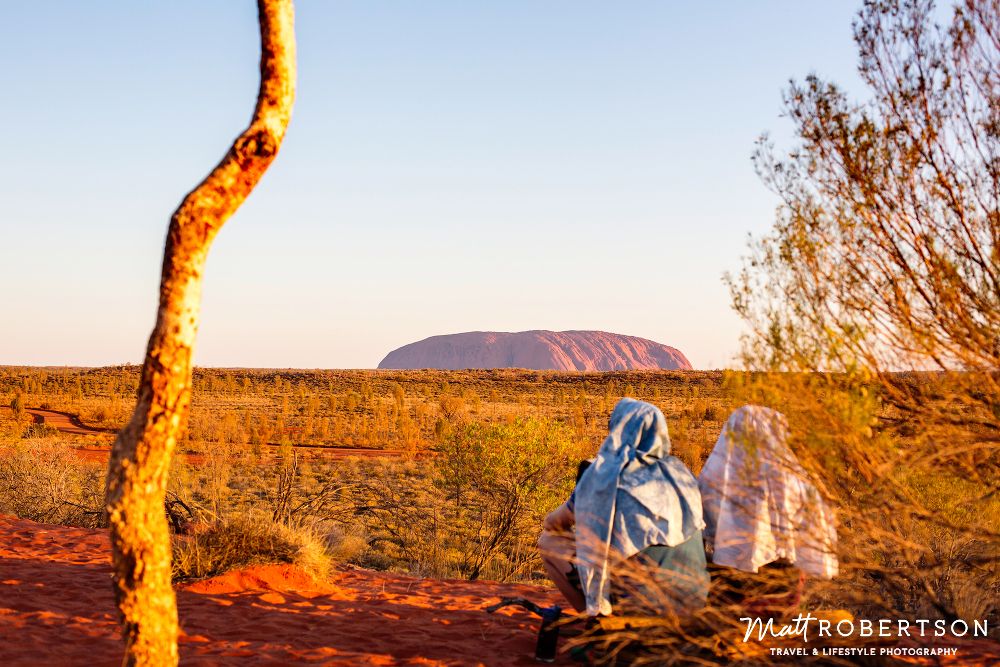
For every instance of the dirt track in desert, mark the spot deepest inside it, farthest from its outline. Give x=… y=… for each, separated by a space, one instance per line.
x=65 y=422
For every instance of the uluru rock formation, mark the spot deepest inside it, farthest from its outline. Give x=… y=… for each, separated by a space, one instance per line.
x=537 y=350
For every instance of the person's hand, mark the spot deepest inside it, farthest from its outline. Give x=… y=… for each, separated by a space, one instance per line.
x=559 y=519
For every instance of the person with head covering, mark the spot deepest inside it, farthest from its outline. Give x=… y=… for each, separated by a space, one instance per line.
x=763 y=515
x=637 y=505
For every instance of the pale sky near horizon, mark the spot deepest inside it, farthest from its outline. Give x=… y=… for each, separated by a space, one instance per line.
x=451 y=166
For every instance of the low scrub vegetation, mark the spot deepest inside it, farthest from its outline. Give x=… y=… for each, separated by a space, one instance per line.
x=494 y=452
x=251 y=539
x=42 y=480
x=491 y=452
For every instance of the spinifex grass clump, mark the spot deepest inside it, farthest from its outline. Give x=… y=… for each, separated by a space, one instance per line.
x=251 y=539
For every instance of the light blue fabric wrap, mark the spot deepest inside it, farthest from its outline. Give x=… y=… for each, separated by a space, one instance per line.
x=634 y=495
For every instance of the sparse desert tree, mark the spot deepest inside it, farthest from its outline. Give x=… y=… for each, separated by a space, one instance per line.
x=885 y=257
x=886 y=252
x=140 y=460
x=500 y=480
x=17 y=407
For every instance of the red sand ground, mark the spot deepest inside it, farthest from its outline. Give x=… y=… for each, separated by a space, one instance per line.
x=56 y=608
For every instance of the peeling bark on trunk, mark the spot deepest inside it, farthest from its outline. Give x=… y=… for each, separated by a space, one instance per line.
x=137 y=472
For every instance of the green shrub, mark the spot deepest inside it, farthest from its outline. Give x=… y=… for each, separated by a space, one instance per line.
x=17 y=407
x=500 y=480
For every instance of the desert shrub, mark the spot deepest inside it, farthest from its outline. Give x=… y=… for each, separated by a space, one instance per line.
x=343 y=544
x=42 y=481
x=499 y=481
x=17 y=407
x=37 y=430
x=474 y=509
x=244 y=540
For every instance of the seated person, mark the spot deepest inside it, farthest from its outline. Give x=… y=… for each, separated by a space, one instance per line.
x=631 y=531
x=766 y=525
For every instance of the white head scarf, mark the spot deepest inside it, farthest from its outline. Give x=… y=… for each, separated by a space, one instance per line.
x=632 y=496
x=759 y=504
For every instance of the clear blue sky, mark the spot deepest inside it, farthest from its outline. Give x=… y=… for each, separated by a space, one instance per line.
x=451 y=166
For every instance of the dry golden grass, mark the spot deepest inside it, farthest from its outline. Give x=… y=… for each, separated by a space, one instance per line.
x=404 y=515
x=250 y=539
x=381 y=409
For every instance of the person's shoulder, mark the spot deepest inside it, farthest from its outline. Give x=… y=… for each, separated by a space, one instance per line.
x=675 y=466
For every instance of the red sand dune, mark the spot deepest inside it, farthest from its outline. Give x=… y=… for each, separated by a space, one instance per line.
x=56 y=607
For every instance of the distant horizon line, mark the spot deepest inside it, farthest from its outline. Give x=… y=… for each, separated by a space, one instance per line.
x=455 y=370
x=372 y=368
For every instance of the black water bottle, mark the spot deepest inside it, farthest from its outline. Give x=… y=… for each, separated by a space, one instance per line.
x=548 y=634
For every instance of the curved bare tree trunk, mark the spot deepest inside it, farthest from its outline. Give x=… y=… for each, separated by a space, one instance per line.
x=137 y=472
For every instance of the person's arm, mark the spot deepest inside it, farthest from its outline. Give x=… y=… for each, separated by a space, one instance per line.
x=559 y=519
